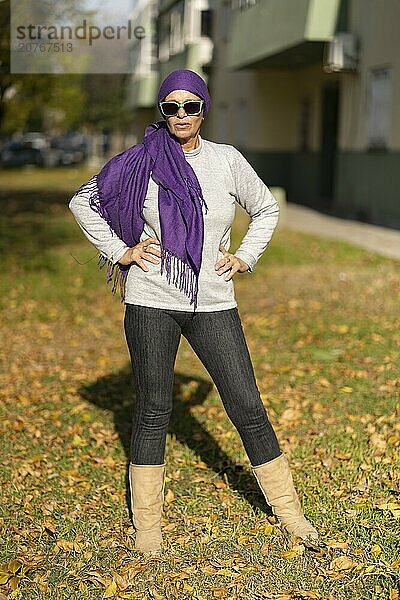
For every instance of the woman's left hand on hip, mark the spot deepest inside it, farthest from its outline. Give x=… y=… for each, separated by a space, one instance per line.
x=230 y=263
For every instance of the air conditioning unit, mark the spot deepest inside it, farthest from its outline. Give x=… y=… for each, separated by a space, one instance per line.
x=341 y=54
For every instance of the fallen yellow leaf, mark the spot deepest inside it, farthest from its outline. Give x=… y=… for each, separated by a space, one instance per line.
x=242 y=539
x=393 y=507
x=289 y=554
x=14 y=566
x=78 y=441
x=268 y=528
x=111 y=590
x=227 y=573
x=169 y=496
x=14 y=583
x=219 y=484
x=265 y=549
x=343 y=455
x=342 y=563
x=295 y=551
x=220 y=592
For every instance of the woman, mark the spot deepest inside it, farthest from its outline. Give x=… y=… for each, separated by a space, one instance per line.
x=160 y=214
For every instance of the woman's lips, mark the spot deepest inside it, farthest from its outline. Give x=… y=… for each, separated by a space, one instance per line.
x=182 y=125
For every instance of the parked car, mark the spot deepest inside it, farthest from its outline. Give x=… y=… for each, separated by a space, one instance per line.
x=72 y=147
x=35 y=148
x=32 y=148
x=18 y=154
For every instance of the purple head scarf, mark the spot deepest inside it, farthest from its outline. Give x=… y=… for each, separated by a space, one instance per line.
x=118 y=191
x=184 y=79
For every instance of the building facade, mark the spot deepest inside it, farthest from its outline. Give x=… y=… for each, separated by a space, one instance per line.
x=308 y=90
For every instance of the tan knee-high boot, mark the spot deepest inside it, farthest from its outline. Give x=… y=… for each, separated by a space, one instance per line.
x=147 y=484
x=276 y=483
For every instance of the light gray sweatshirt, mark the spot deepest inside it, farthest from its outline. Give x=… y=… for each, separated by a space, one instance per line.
x=225 y=177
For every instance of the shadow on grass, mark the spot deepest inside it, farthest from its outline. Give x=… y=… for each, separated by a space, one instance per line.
x=36 y=201
x=33 y=222
x=115 y=393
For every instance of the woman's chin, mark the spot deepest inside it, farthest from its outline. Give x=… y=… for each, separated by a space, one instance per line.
x=184 y=134
x=182 y=137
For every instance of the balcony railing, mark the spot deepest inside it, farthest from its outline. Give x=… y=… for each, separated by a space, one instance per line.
x=280 y=32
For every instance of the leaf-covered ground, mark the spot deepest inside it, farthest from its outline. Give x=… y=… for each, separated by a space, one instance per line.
x=323 y=327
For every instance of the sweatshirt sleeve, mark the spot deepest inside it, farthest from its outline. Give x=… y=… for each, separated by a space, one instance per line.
x=95 y=228
x=257 y=200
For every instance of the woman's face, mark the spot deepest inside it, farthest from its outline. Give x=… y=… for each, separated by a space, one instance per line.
x=183 y=126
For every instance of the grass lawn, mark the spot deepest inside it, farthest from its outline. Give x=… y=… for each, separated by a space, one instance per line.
x=323 y=327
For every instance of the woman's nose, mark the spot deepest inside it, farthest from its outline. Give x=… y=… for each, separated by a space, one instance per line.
x=181 y=112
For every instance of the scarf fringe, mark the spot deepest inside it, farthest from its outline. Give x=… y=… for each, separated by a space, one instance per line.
x=203 y=204
x=180 y=274
x=199 y=196
x=91 y=188
x=115 y=275
x=176 y=271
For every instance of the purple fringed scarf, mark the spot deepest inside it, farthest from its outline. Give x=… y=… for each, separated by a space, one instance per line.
x=118 y=191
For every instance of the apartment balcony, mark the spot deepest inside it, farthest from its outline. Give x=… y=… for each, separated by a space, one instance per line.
x=185 y=36
x=195 y=55
x=281 y=33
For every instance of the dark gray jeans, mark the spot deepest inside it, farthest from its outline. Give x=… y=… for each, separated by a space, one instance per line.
x=153 y=336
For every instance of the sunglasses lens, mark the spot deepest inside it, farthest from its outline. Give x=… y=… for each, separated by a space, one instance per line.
x=169 y=109
x=192 y=107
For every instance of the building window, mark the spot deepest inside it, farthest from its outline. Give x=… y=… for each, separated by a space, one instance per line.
x=176 y=39
x=164 y=36
x=226 y=21
x=170 y=31
x=305 y=124
x=243 y=4
x=379 y=101
x=206 y=23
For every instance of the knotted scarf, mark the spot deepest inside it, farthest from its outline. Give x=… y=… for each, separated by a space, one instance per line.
x=118 y=191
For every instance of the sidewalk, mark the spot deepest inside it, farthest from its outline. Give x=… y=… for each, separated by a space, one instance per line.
x=377 y=239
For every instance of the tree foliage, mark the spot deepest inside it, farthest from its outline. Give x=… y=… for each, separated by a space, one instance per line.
x=38 y=101
x=106 y=100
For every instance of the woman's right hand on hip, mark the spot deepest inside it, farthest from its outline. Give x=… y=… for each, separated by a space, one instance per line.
x=141 y=251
